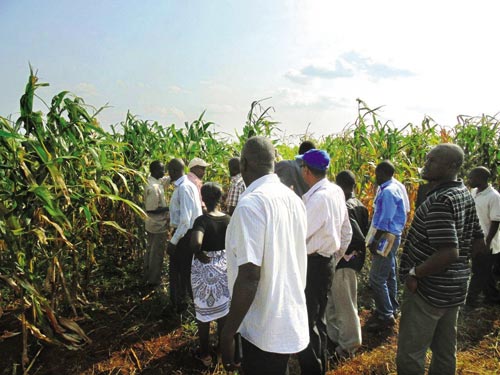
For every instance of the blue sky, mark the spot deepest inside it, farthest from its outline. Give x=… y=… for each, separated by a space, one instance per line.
x=170 y=60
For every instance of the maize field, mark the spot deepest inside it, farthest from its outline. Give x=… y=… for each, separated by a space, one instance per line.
x=72 y=224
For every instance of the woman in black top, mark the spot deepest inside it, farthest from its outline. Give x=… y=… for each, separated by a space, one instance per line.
x=209 y=268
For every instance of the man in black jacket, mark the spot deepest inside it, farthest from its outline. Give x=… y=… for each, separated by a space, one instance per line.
x=343 y=325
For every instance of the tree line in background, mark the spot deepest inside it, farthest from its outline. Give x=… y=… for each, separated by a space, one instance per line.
x=71 y=192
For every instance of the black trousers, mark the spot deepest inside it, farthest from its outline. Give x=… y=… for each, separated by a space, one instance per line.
x=482 y=279
x=180 y=274
x=313 y=359
x=258 y=362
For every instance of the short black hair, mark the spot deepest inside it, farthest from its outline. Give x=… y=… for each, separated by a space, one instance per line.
x=386 y=167
x=306 y=146
x=346 y=179
x=482 y=172
x=211 y=193
x=155 y=165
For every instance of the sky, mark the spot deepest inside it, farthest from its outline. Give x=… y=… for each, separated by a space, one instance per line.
x=170 y=60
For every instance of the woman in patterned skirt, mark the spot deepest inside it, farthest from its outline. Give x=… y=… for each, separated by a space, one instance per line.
x=209 y=269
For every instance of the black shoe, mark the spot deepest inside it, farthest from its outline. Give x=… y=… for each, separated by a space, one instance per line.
x=492 y=301
x=381 y=324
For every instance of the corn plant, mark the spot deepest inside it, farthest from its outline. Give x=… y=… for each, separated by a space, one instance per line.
x=57 y=175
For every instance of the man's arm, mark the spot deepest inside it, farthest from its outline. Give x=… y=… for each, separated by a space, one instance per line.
x=491 y=233
x=436 y=263
x=186 y=212
x=243 y=295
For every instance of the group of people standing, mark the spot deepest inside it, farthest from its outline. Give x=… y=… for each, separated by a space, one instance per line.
x=279 y=274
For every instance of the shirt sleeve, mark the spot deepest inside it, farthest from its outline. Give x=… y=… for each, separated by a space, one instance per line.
x=186 y=207
x=494 y=209
x=346 y=232
x=200 y=224
x=249 y=235
x=385 y=211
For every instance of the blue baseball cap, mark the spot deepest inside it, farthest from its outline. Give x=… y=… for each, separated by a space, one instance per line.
x=317 y=159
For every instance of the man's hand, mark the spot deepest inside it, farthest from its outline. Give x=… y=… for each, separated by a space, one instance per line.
x=411 y=283
x=202 y=257
x=171 y=248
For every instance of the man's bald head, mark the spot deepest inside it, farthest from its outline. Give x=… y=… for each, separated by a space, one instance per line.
x=451 y=153
x=443 y=163
x=257 y=159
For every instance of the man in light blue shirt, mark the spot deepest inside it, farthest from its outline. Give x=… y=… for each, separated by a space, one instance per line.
x=389 y=217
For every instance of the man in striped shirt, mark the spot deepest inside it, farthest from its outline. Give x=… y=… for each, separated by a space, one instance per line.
x=237 y=186
x=435 y=266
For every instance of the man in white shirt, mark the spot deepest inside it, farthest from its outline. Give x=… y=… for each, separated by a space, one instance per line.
x=487 y=201
x=185 y=207
x=267 y=257
x=156 y=223
x=328 y=236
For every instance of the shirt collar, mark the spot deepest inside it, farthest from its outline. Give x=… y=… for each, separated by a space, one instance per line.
x=485 y=191
x=180 y=180
x=387 y=183
x=268 y=178
x=236 y=177
x=153 y=180
x=446 y=184
x=318 y=185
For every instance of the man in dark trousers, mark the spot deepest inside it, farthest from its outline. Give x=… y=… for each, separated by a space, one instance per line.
x=185 y=207
x=328 y=236
x=487 y=201
x=435 y=268
x=343 y=325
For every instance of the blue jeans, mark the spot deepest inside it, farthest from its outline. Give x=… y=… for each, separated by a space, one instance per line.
x=384 y=283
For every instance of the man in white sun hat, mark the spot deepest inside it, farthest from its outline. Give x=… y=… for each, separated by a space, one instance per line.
x=197 y=168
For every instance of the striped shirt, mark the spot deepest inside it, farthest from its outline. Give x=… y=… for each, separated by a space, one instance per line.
x=446 y=218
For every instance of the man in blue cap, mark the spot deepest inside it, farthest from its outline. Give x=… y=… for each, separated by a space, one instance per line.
x=328 y=236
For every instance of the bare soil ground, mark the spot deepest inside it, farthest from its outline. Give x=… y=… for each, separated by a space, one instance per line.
x=133 y=331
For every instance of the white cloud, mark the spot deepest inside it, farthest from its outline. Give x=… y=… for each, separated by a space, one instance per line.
x=220 y=108
x=302 y=98
x=175 y=89
x=165 y=114
x=85 y=89
x=348 y=65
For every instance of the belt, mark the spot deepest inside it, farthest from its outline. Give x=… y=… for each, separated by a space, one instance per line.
x=316 y=255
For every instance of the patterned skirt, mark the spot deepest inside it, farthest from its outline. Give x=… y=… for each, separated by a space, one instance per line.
x=210 y=287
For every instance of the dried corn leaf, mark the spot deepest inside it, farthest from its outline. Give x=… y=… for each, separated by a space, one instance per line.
x=73 y=326
x=8 y=335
